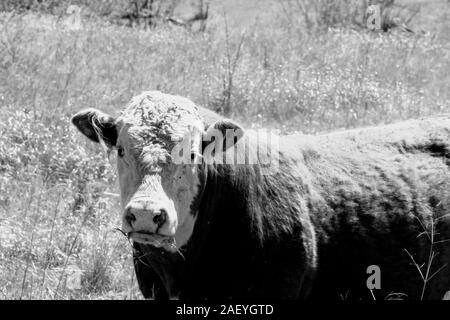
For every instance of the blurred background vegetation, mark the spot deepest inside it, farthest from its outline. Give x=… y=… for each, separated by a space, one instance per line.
x=292 y=65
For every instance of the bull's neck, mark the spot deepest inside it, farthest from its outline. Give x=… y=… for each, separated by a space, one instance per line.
x=225 y=211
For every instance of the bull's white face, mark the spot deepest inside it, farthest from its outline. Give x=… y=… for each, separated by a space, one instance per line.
x=157 y=191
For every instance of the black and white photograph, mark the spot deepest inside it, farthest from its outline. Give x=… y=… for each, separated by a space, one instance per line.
x=241 y=152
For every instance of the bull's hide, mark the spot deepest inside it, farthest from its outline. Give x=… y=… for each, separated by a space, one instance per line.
x=337 y=204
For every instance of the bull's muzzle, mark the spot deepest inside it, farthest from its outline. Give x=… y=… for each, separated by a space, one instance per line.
x=145 y=217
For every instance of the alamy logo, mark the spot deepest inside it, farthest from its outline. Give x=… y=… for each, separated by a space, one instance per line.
x=232 y=147
x=74 y=17
x=374 y=280
x=373 y=13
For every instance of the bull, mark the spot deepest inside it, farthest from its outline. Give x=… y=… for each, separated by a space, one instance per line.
x=309 y=227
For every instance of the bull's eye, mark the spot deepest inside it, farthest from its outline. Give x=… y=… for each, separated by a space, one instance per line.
x=120 y=152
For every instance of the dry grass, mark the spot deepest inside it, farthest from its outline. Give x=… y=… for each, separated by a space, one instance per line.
x=57 y=203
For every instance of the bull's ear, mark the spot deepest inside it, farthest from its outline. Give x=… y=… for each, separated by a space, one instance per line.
x=96 y=125
x=228 y=130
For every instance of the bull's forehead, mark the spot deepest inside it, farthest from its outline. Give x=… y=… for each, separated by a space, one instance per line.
x=159 y=117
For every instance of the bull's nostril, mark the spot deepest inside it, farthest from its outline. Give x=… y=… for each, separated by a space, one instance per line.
x=160 y=217
x=130 y=218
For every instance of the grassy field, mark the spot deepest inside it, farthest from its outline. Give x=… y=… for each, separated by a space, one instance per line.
x=255 y=63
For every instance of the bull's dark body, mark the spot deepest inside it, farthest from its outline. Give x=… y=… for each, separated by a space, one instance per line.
x=365 y=193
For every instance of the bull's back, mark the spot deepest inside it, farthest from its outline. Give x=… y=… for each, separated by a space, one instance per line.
x=374 y=195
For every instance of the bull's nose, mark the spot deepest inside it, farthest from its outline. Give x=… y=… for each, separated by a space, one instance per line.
x=140 y=217
x=130 y=217
x=160 y=217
